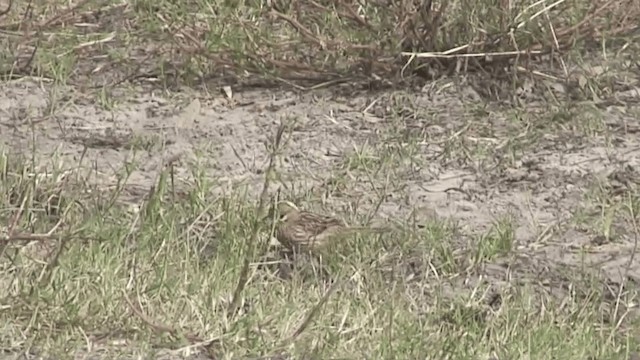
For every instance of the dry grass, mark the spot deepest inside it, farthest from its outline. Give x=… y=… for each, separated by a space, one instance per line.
x=185 y=272
x=305 y=44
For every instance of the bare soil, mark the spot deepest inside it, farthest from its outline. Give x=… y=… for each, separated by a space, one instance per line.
x=473 y=164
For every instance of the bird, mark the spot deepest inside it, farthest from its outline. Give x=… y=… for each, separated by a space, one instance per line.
x=304 y=231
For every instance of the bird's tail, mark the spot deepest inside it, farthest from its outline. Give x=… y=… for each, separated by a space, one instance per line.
x=367 y=230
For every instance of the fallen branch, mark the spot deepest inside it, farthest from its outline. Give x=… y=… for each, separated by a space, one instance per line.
x=12 y=236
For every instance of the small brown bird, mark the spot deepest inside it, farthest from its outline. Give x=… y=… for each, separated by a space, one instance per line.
x=304 y=231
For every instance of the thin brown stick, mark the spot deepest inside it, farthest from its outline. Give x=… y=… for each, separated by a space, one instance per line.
x=312 y=313
x=29 y=237
x=243 y=278
x=12 y=236
x=156 y=326
x=54 y=20
x=162 y=328
x=6 y=11
x=301 y=29
x=14 y=219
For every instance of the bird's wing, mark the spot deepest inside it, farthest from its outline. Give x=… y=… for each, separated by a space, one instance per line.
x=315 y=224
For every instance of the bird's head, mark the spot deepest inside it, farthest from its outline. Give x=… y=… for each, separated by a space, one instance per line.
x=285 y=208
x=279 y=211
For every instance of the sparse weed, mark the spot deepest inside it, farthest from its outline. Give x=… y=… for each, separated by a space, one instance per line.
x=183 y=268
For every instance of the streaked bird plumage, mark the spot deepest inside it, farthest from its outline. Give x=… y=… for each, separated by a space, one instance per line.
x=300 y=230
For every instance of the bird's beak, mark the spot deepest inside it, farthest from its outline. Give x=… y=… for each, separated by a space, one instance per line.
x=271 y=215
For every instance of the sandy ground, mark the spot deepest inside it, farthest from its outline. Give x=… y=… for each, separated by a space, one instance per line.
x=559 y=169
